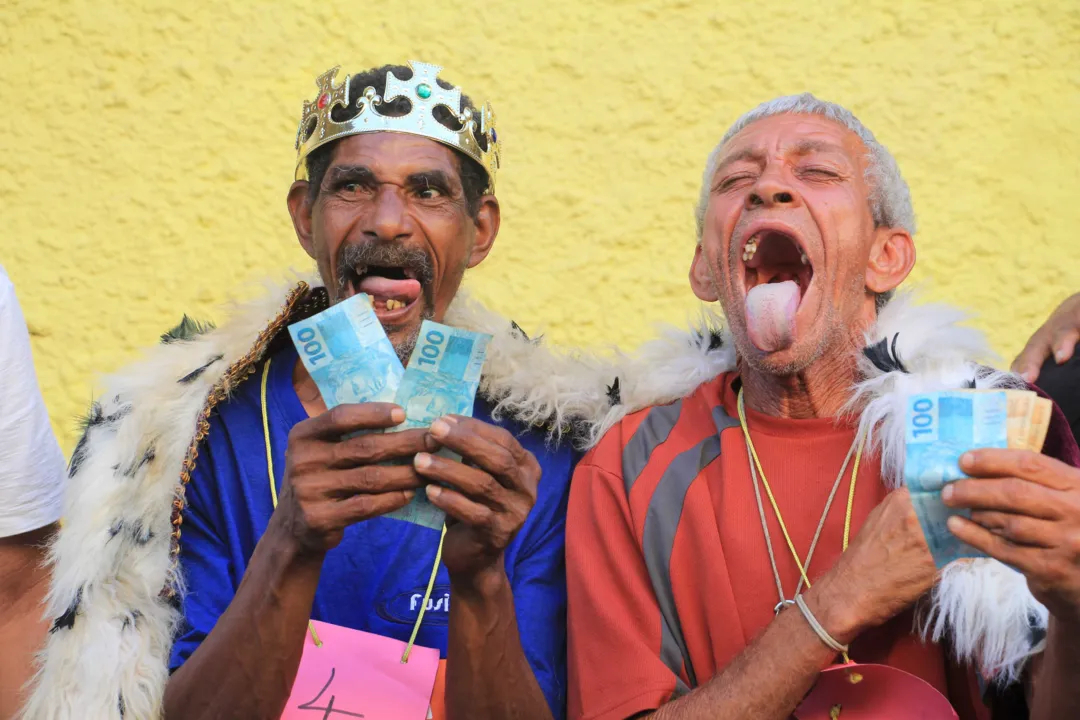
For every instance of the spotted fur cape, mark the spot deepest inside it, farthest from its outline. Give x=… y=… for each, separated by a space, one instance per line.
x=116 y=587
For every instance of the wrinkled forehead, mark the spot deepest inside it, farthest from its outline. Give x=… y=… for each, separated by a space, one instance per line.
x=794 y=134
x=394 y=153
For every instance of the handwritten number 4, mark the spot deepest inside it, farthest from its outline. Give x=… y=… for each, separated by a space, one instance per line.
x=329 y=710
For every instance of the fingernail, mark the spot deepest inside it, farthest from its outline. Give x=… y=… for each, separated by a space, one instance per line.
x=430 y=443
x=1061 y=356
x=433 y=492
x=397 y=415
x=947 y=492
x=954 y=523
x=966 y=460
x=422 y=460
x=440 y=428
x=410 y=494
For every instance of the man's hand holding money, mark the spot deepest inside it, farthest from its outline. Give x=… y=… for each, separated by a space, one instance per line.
x=333 y=480
x=486 y=496
x=1025 y=513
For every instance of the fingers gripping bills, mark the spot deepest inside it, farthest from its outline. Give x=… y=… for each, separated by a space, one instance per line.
x=347 y=353
x=943 y=426
x=441 y=379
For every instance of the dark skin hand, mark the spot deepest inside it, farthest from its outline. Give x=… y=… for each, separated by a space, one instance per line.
x=1057 y=336
x=246 y=666
x=488 y=499
x=1026 y=513
x=886 y=568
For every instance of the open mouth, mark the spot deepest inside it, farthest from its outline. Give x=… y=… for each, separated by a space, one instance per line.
x=777 y=276
x=394 y=291
x=774 y=256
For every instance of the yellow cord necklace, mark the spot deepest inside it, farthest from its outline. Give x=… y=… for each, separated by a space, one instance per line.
x=274 y=497
x=756 y=470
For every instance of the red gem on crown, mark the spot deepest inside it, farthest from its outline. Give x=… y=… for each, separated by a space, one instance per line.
x=324 y=100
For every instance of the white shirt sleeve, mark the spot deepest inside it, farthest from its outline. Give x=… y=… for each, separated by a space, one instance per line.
x=32 y=475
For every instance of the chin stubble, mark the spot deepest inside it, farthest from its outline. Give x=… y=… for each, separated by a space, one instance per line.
x=405 y=346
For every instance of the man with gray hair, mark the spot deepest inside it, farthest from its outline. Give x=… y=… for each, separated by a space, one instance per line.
x=704 y=548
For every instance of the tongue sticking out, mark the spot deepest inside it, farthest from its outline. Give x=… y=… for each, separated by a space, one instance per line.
x=383 y=288
x=770 y=315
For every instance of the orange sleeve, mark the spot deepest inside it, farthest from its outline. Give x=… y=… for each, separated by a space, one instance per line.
x=438 y=693
x=613 y=620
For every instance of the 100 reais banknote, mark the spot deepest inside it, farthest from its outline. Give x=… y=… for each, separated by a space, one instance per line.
x=441 y=379
x=347 y=353
x=940 y=428
x=345 y=350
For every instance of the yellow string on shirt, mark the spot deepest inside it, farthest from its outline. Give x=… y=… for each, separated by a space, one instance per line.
x=776 y=508
x=274 y=497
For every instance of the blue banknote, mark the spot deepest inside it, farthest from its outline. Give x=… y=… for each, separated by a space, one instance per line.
x=347 y=353
x=441 y=379
x=940 y=428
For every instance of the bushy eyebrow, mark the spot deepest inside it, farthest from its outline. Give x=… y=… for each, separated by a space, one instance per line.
x=363 y=175
x=430 y=178
x=342 y=174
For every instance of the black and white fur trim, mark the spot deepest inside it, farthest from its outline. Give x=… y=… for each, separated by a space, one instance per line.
x=982 y=606
x=107 y=655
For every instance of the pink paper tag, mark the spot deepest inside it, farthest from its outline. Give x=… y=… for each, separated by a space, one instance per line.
x=355 y=674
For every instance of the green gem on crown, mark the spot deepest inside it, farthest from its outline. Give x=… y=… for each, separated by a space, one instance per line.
x=423 y=90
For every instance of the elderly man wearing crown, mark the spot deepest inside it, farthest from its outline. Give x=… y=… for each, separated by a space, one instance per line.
x=705 y=552
x=184 y=579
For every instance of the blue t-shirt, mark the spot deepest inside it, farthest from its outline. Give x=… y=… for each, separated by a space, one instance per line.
x=376 y=578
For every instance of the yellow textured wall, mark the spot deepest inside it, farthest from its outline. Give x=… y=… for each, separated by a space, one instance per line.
x=147 y=147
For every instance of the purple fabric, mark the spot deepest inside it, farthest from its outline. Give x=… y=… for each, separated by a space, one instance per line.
x=1060 y=442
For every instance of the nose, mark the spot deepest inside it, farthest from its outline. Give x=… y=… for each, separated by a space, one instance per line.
x=389 y=219
x=772 y=190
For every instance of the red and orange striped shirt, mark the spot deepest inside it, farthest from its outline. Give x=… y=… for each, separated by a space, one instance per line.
x=667 y=569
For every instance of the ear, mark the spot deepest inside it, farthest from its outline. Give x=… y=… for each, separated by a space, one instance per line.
x=487 y=222
x=892 y=256
x=300 y=210
x=701 y=278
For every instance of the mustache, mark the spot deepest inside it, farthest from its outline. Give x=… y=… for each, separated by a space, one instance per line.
x=355 y=259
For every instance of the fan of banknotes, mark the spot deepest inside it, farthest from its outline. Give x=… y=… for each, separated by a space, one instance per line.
x=941 y=427
x=347 y=353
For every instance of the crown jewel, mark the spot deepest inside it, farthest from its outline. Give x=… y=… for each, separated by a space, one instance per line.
x=424 y=94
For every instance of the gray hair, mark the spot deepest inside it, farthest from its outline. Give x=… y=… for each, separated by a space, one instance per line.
x=890 y=198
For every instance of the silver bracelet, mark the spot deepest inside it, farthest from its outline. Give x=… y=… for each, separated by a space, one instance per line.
x=817 y=628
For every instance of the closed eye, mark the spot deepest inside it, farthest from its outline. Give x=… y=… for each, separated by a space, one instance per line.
x=819 y=172
x=732 y=180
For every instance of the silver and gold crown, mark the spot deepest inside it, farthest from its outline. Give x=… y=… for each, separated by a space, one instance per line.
x=424 y=95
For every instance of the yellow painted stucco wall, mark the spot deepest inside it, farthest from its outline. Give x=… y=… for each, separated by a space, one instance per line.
x=147 y=146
